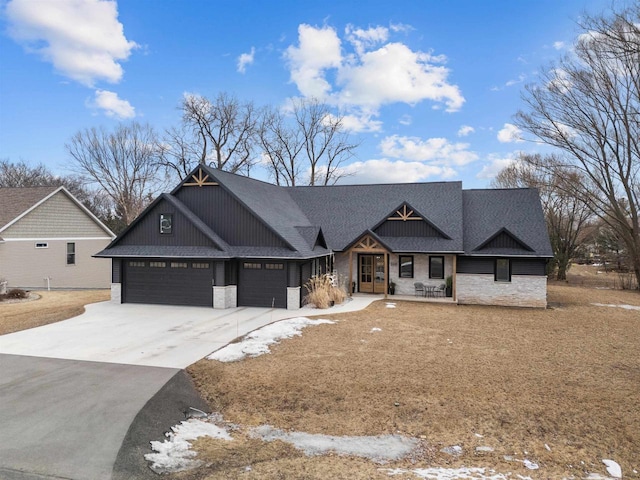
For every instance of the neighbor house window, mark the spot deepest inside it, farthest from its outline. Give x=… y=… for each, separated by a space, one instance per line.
x=436 y=267
x=71 y=253
x=503 y=270
x=406 y=266
x=166 y=223
x=42 y=245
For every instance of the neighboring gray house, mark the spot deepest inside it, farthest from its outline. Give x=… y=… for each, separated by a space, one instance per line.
x=47 y=239
x=224 y=240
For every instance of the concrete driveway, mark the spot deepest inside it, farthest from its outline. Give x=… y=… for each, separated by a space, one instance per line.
x=82 y=398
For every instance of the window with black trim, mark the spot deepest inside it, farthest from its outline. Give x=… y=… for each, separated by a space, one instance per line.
x=166 y=223
x=503 y=270
x=42 y=245
x=252 y=266
x=71 y=253
x=406 y=266
x=436 y=267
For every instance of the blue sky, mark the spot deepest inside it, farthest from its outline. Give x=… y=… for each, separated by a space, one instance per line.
x=428 y=88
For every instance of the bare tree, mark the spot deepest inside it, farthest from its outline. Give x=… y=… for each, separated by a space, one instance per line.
x=566 y=216
x=223 y=129
x=306 y=147
x=122 y=163
x=179 y=151
x=588 y=106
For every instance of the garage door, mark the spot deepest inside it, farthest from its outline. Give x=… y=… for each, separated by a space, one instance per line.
x=262 y=284
x=168 y=282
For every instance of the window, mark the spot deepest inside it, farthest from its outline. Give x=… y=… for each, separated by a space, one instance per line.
x=179 y=265
x=252 y=266
x=406 y=266
x=503 y=270
x=136 y=264
x=157 y=264
x=200 y=265
x=71 y=253
x=166 y=223
x=42 y=245
x=274 y=266
x=436 y=267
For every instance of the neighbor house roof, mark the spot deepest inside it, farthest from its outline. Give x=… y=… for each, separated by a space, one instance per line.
x=461 y=221
x=17 y=202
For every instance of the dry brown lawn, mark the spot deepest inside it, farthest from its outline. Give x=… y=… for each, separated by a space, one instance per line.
x=49 y=308
x=567 y=377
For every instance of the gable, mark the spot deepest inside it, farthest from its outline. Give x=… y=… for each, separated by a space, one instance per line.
x=224 y=214
x=406 y=222
x=57 y=217
x=146 y=231
x=503 y=239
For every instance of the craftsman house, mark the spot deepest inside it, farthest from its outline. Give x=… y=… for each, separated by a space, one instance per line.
x=47 y=239
x=224 y=240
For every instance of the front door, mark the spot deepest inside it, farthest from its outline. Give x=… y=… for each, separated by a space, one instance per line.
x=371 y=273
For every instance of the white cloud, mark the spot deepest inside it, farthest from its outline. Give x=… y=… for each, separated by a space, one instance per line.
x=437 y=151
x=112 y=105
x=318 y=50
x=405 y=120
x=83 y=39
x=510 y=134
x=361 y=123
x=374 y=74
x=401 y=27
x=559 y=45
x=246 y=59
x=511 y=83
x=465 y=130
x=393 y=171
x=496 y=163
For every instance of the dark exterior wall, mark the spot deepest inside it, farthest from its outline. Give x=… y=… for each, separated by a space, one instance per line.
x=231 y=272
x=504 y=240
x=116 y=270
x=305 y=275
x=293 y=279
x=486 y=265
x=410 y=228
x=227 y=217
x=147 y=230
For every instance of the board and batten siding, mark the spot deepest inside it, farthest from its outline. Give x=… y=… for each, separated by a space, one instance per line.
x=147 y=230
x=25 y=266
x=228 y=217
x=486 y=265
x=58 y=217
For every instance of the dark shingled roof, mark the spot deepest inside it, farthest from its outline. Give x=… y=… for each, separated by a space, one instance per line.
x=516 y=210
x=344 y=213
x=16 y=201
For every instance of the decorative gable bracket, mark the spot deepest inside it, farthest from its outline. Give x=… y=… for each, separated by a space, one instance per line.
x=200 y=180
x=404 y=213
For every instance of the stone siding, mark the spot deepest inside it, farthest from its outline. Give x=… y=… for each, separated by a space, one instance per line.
x=293 y=298
x=522 y=291
x=225 y=297
x=116 y=293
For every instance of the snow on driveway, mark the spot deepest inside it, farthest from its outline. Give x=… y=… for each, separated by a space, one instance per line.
x=626 y=307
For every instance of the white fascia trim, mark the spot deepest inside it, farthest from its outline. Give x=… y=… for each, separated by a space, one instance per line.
x=52 y=239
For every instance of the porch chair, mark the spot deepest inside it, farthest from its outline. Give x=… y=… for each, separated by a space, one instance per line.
x=440 y=290
x=420 y=291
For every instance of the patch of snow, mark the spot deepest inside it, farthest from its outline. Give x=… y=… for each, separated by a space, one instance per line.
x=257 y=342
x=484 y=449
x=479 y=436
x=613 y=468
x=626 y=307
x=376 y=329
x=391 y=305
x=380 y=449
x=175 y=454
x=530 y=465
x=547 y=447
x=437 y=473
x=453 y=450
